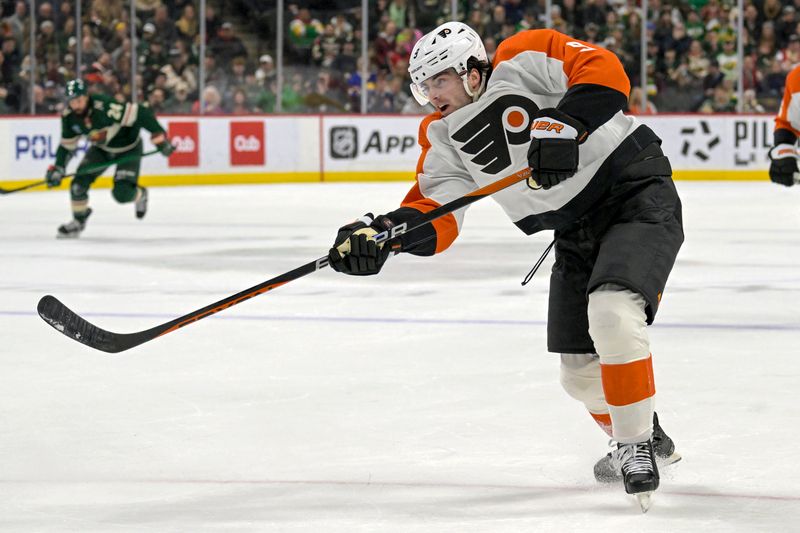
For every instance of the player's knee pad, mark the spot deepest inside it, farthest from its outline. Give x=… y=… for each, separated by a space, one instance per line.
x=617 y=324
x=78 y=190
x=580 y=378
x=124 y=191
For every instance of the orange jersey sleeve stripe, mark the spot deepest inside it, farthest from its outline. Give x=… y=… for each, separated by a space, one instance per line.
x=583 y=62
x=782 y=121
x=446 y=227
x=628 y=383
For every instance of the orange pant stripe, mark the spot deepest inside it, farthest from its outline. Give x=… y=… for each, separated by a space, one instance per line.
x=628 y=383
x=604 y=421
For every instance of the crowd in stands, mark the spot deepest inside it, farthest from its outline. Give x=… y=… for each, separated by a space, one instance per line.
x=691 y=51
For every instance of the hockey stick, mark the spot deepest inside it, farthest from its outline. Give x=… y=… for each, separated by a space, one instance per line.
x=72 y=325
x=89 y=168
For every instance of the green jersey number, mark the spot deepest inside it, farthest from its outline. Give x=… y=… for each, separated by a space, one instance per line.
x=115 y=111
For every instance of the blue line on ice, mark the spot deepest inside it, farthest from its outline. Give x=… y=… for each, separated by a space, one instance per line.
x=437 y=321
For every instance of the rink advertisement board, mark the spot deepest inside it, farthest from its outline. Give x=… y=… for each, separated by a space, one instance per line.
x=247 y=143
x=309 y=148
x=715 y=147
x=209 y=150
x=186 y=139
x=369 y=148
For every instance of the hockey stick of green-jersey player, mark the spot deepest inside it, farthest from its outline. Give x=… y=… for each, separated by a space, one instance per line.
x=88 y=168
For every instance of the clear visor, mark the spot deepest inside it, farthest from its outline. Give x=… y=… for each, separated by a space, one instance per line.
x=421 y=91
x=420 y=94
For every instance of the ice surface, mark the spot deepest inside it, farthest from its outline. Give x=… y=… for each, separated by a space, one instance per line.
x=419 y=400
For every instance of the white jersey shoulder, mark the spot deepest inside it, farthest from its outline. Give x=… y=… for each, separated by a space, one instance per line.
x=488 y=140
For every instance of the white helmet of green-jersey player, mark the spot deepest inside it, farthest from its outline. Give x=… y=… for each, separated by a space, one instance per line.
x=448 y=46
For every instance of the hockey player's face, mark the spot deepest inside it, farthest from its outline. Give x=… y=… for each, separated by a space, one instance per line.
x=78 y=104
x=446 y=92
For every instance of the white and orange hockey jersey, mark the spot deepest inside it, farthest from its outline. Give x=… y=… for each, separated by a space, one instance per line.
x=488 y=140
x=787 y=123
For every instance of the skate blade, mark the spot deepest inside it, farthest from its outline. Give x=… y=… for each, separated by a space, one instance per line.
x=67 y=235
x=645 y=500
x=671 y=460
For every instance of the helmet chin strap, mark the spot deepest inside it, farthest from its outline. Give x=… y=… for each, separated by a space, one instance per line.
x=477 y=94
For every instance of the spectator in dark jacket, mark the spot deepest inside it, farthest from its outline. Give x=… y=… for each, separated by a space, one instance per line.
x=165 y=27
x=427 y=14
x=226 y=45
x=678 y=40
x=595 y=11
x=786 y=25
x=9 y=88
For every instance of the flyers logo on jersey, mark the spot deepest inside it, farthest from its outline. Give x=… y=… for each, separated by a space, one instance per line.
x=488 y=135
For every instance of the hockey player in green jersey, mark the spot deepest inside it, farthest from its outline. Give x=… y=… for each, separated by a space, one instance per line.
x=113 y=131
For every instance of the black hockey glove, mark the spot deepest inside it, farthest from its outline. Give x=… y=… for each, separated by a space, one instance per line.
x=784 y=164
x=553 y=152
x=355 y=252
x=54 y=176
x=163 y=144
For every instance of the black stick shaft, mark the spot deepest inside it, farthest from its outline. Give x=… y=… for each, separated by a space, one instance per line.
x=322 y=262
x=74 y=326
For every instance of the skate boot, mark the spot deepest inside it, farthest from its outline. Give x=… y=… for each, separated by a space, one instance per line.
x=141 y=203
x=607 y=469
x=73 y=228
x=639 y=471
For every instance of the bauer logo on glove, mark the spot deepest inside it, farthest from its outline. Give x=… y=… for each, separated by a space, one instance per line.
x=355 y=251
x=551 y=128
x=553 y=152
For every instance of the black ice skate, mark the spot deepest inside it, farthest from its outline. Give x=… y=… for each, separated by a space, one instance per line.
x=73 y=228
x=607 y=469
x=141 y=203
x=639 y=471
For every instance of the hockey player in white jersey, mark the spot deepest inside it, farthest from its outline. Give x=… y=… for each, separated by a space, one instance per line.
x=598 y=179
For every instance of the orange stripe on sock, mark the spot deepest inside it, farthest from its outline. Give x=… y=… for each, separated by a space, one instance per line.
x=604 y=421
x=629 y=383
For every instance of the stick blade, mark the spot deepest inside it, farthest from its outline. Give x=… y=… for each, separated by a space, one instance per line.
x=63 y=319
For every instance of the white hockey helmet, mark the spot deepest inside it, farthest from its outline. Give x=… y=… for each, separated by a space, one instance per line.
x=448 y=46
